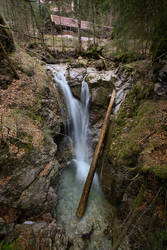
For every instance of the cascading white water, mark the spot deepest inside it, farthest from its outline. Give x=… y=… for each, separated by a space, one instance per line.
x=95 y=220
x=78 y=114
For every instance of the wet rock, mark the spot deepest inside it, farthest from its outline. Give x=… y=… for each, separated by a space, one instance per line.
x=163 y=73
x=100 y=65
x=100 y=96
x=95 y=78
x=84 y=229
x=82 y=61
x=76 y=75
x=76 y=90
x=160 y=89
x=79 y=63
x=78 y=244
x=157 y=86
x=30 y=190
x=40 y=196
x=92 y=78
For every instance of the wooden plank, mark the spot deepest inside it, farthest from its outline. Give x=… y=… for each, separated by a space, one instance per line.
x=84 y=197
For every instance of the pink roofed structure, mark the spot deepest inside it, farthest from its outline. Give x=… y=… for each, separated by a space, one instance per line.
x=70 y=22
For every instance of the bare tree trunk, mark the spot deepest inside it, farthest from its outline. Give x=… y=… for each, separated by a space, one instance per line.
x=37 y=25
x=88 y=183
x=41 y=26
x=9 y=61
x=94 y=25
x=53 y=37
x=79 y=27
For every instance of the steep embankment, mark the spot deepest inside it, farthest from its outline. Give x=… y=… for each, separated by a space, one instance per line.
x=135 y=163
x=28 y=167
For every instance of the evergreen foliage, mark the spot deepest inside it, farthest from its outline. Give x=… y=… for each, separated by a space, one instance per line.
x=141 y=21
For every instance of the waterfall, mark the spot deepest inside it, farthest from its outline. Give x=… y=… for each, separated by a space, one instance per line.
x=78 y=115
x=75 y=112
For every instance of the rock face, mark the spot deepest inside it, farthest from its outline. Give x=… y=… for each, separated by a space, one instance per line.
x=39 y=235
x=28 y=167
x=160 y=75
x=101 y=86
x=134 y=165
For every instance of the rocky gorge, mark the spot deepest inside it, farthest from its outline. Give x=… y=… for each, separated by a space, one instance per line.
x=132 y=165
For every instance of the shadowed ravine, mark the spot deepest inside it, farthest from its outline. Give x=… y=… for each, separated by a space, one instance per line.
x=90 y=231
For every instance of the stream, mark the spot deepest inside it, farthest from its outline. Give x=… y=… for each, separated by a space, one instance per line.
x=90 y=232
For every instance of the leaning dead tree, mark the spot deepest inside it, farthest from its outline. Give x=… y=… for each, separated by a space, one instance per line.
x=88 y=183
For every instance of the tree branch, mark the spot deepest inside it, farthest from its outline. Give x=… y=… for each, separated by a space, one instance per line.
x=20 y=32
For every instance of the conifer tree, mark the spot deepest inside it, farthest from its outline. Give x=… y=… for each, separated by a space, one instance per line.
x=141 y=21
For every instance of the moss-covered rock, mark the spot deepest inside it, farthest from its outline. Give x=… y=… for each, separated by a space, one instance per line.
x=159 y=170
x=135 y=169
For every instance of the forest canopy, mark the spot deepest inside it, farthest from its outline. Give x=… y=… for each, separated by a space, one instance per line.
x=143 y=20
x=137 y=25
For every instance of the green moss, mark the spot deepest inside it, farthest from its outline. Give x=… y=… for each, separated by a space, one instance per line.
x=139 y=197
x=126 y=57
x=134 y=119
x=159 y=170
x=89 y=78
x=7 y=246
x=164 y=126
x=4 y=149
x=146 y=109
x=129 y=153
x=27 y=146
x=128 y=67
x=120 y=119
x=93 y=51
x=34 y=116
x=44 y=91
x=143 y=90
x=158 y=239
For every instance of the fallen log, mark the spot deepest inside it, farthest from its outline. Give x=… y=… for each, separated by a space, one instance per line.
x=84 y=197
